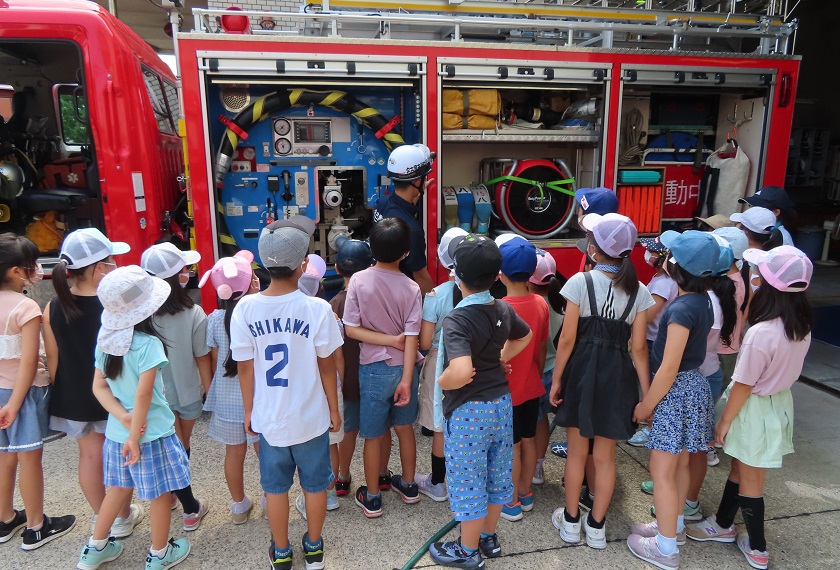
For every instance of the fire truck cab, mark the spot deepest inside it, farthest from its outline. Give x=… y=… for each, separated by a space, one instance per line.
x=523 y=104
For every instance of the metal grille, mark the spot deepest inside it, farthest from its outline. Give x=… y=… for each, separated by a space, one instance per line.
x=235 y=97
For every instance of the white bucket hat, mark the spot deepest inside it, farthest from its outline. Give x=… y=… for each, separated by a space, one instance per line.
x=165 y=260
x=87 y=246
x=128 y=295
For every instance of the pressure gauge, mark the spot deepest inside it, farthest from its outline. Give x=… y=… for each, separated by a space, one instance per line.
x=249 y=153
x=282 y=127
x=282 y=146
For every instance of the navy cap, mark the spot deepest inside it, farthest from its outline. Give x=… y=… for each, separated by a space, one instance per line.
x=597 y=200
x=475 y=257
x=353 y=254
x=652 y=244
x=770 y=197
x=696 y=252
x=519 y=258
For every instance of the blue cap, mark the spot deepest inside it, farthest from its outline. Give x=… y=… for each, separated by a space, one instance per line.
x=597 y=200
x=519 y=258
x=353 y=255
x=727 y=256
x=696 y=252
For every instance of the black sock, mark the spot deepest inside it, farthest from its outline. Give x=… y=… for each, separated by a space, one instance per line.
x=188 y=500
x=728 y=505
x=752 y=509
x=590 y=520
x=438 y=469
x=188 y=453
x=569 y=517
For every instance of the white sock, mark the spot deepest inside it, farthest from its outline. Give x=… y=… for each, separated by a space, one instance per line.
x=540 y=460
x=680 y=523
x=162 y=552
x=692 y=504
x=241 y=507
x=97 y=544
x=591 y=496
x=667 y=546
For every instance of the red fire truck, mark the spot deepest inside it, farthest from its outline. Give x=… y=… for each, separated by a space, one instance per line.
x=88 y=134
x=523 y=103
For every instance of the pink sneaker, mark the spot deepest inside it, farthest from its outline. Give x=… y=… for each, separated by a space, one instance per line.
x=651 y=529
x=710 y=530
x=193 y=520
x=755 y=558
x=645 y=548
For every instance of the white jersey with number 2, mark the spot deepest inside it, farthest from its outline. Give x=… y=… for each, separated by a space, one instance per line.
x=285 y=335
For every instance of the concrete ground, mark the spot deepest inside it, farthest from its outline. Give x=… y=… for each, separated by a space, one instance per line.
x=802 y=510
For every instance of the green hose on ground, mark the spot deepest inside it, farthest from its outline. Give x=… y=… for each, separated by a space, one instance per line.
x=423 y=549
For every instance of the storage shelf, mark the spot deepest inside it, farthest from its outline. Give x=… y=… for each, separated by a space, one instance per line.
x=505 y=135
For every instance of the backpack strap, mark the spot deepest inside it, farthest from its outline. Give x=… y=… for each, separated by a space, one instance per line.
x=631 y=302
x=590 y=288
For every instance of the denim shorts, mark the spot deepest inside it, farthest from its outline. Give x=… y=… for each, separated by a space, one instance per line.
x=478 y=445
x=311 y=459
x=377 y=383
x=545 y=404
x=31 y=428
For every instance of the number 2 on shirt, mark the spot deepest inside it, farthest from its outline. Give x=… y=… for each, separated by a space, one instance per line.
x=272 y=377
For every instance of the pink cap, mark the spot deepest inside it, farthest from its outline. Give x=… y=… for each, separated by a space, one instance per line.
x=546 y=267
x=614 y=234
x=231 y=275
x=310 y=281
x=784 y=268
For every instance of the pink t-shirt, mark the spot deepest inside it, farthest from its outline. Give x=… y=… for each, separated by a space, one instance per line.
x=740 y=292
x=768 y=361
x=16 y=310
x=387 y=302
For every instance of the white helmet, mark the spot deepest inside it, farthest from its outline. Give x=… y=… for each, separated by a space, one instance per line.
x=410 y=162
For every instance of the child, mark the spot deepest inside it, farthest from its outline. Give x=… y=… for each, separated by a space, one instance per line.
x=663 y=290
x=24 y=400
x=737 y=241
x=544 y=282
x=352 y=256
x=439 y=302
x=756 y=426
x=232 y=278
x=71 y=323
x=388 y=377
x=679 y=398
x=758 y=225
x=141 y=448
x=183 y=325
x=595 y=384
x=519 y=260
x=284 y=342
x=478 y=336
x=310 y=284
x=777 y=201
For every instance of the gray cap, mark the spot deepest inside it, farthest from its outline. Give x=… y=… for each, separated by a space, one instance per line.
x=285 y=243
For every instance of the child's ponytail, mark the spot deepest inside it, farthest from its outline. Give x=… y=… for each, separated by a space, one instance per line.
x=724 y=289
x=228 y=305
x=61 y=284
x=626 y=278
x=556 y=301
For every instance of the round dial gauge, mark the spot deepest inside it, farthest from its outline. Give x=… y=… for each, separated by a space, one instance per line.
x=282 y=127
x=282 y=146
x=249 y=153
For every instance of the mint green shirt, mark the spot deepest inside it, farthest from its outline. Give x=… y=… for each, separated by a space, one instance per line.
x=146 y=352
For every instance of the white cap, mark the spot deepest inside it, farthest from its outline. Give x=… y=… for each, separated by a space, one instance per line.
x=615 y=234
x=87 y=246
x=165 y=260
x=443 y=247
x=756 y=219
x=128 y=295
x=504 y=238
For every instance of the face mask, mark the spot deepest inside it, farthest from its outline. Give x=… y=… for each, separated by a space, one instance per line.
x=183 y=279
x=111 y=267
x=457 y=282
x=35 y=276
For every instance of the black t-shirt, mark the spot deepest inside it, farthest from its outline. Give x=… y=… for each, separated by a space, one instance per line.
x=392 y=206
x=480 y=331
x=694 y=312
x=72 y=394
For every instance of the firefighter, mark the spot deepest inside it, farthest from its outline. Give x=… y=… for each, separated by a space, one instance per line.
x=409 y=167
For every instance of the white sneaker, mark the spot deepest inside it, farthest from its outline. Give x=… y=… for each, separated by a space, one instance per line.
x=569 y=532
x=124 y=527
x=595 y=537
x=712 y=458
x=239 y=512
x=539 y=474
x=437 y=492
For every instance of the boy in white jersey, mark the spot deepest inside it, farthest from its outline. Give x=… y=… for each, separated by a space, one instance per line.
x=283 y=342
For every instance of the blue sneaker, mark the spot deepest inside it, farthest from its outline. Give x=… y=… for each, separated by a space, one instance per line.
x=91 y=558
x=526 y=502
x=279 y=562
x=453 y=554
x=490 y=545
x=560 y=449
x=313 y=553
x=372 y=506
x=176 y=552
x=640 y=438
x=512 y=511
x=409 y=492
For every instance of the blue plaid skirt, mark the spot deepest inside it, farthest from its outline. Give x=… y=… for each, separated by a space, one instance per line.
x=163 y=467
